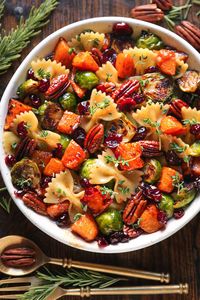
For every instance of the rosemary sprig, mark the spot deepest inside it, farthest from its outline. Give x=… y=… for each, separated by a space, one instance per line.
x=1 y=8
x=176 y=14
x=116 y=161
x=12 y=44
x=3 y=189
x=72 y=278
x=5 y=204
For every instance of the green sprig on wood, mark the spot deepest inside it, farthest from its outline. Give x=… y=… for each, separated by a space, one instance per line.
x=12 y=44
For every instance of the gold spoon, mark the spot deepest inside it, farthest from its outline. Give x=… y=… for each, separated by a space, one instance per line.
x=42 y=259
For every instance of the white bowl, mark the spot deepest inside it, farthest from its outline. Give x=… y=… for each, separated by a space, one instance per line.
x=102 y=24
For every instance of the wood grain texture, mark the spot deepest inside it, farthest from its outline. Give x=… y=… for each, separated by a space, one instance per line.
x=180 y=254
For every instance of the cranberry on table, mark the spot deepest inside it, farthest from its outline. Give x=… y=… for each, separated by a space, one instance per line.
x=79 y=135
x=10 y=160
x=179 y=213
x=44 y=85
x=109 y=55
x=22 y=129
x=35 y=100
x=122 y=28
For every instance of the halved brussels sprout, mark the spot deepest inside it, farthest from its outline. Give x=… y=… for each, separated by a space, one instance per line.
x=86 y=79
x=64 y=140
x=52 y=115
x=86 y=167
x=195 y=149
x=152 y=170
x=27 y=87
x=110 y=221
x=149 y=40
x=189 y=82
x=156 y=87
x=25 y=174
x=122 y=126
x=166 y=204
x=68 y=101
x=184 y=197
x=41 y=109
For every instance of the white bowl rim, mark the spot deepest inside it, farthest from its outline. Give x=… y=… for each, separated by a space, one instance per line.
x=120 y=248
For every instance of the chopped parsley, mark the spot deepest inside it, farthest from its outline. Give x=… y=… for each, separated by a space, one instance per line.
x=177 y=182
x=105 y=103
x=71 y=50
x=43 y=74
x=105 y=190
x=190 y=122
x=155 y=124
x=44 y=133
x=116 y=161
x=177 y=148
x=60 y=192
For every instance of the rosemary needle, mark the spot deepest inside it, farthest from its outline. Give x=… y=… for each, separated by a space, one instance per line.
x=1 y=8
x=12 y=44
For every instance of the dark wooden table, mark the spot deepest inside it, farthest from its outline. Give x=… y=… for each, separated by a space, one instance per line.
x=179 y=254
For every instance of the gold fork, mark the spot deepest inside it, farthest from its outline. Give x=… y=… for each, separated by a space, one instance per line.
x=22 y=284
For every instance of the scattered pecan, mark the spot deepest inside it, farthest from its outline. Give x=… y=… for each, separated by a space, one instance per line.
x=18 y=257
x=106 y=87
x=94 y=138
x=126 y=89
x=163 y=4
x=150 y=148
x=33 y=201
x=149 y=12
x=57 y=87
x=134 y=209
x=25 y=147
x=190 y=33
x=175 y=107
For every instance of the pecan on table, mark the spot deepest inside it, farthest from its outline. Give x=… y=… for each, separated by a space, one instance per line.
x=149 y=12
x=189 y=32
x=163 y=4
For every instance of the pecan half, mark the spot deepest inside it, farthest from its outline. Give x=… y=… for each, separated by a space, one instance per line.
x=18 y=257
x=94 y=138
x=134 y=209
x=25 y=147
x=189 y=32
x=106 y=87
x=150 y=148
x=149 y=12
x=163 y=4
x=126 y=89
x=97 y=55
x=57 y=87
x=175 y=107
x=33 y=201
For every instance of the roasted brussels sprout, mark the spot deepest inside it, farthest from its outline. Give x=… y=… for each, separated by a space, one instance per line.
x=184 y=197
x=195 y=149
x=156 y=87
x=86 y=167
x=64 y=140
x=86 y=79
x=152 y=171
x=68 y=101
x=149 y=40
x=42 y=108
x=52 y=115
x=189 y=82
x=27 y=87
x=110 y=221
x=122 y=126
x=166 y=204
x=25 y=174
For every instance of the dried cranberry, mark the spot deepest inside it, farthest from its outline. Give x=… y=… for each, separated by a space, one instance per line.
x=22 y=129
x=102 y=242
x=122 y=28
x=58 y=151
x=172 y=158
x=109 y=55
x=151 y=69
x=106 y=87
x=10 y=160
x=63 y=220
x=85 y=183
x=83 y=107
x=113 y=140
x=132 y=232
x=20 y=194
x=35 y=100
x=30 y=74
x=178 y=213
x=196 y=184
x=195 y=129
x=44 y=85
x=118 y=237
x=79 y=135
x=151 y=192
x=139 y=98
x=45 y=181
x=162 y=217
x=126 y=104
x=140 y=134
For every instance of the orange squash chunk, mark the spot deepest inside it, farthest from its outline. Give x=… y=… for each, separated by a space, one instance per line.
x=73 y=156
x=68 y=122
x=149 y=219
x=85 y=227
x=54 y=166
x=130 y=154
x=165 y=183
x=171 y=125
x=84 y=61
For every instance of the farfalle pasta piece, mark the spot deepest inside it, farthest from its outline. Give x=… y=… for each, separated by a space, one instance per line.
x=10 y=140
x=143 y=58
x=52 y=67
x=189 y=113
x=170 y=142
x=87 y=41
x=181 y=68
x=31 y=122
x=103 y=172
x=61 y=188
x=47 y=139
x=102 y=107
x=107 y=73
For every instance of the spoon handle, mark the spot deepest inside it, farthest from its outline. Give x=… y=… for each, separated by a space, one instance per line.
x=69 y=263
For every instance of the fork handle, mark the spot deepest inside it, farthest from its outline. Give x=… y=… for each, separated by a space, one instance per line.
x=69 y=263
x=137 y=290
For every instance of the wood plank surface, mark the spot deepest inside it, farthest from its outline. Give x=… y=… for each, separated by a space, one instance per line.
x=180 y=254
